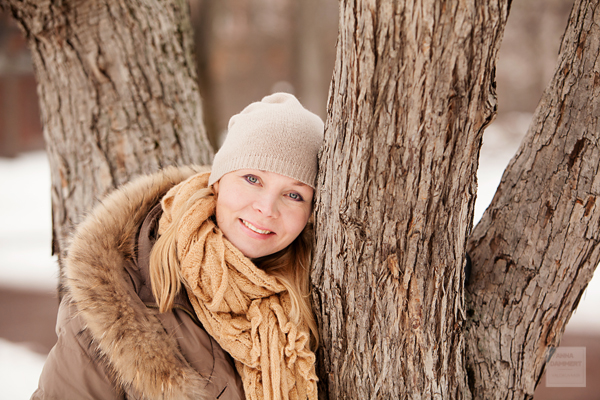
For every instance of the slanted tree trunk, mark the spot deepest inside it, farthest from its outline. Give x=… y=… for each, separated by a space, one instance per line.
x=537 y=245
x=118 y=95
x=412 y=91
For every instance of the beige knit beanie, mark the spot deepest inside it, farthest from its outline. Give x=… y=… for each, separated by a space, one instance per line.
x=277 y=135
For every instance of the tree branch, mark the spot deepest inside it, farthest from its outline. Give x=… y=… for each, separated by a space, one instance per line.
x=536 y=246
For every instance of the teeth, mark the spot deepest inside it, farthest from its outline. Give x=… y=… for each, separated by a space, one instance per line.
x=255 y=229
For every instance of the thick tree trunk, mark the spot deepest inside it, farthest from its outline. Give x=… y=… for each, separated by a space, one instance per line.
x=537 y=245
x=411 y=93
x=118 y=95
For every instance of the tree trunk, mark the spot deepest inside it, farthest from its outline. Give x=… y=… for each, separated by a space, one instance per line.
x=536 y=247
x=411 y=93
x=118 y=95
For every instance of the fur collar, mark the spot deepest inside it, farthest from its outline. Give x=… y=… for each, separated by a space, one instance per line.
x=128 y=335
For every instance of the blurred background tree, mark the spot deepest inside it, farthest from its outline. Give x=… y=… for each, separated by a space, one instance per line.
x=20 y=128
x=246 y=49
x=529 y=50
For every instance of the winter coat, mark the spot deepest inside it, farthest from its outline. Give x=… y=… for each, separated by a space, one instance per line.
x=112 y=341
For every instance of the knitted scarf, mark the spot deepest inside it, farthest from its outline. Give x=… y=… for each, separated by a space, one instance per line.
x=243 y=308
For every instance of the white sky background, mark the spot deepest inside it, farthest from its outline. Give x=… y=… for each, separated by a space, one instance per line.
x=25 y=234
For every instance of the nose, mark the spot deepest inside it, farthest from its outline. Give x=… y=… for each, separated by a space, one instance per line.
x=267 y=206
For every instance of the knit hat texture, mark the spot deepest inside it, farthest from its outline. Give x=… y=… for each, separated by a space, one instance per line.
x=276 y=134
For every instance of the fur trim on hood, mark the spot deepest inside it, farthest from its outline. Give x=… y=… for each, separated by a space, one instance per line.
x=127 y=334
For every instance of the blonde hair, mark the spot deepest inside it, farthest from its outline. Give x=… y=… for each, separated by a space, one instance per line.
x=291 y=266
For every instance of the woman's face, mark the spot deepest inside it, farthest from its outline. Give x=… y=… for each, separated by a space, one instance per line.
x=261 y=212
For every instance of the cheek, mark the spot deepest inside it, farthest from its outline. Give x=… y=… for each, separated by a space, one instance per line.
x=219 y=217
x=298 y=222
x=227 y=201
x=222 y=212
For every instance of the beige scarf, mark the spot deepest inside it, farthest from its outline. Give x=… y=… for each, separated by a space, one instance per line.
x=243 y=308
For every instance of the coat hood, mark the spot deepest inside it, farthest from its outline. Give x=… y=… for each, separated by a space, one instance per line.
x=128 y=335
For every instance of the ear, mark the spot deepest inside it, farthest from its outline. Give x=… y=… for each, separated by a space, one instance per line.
x=216 y=187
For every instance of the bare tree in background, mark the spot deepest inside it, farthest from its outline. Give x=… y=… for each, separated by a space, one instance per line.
x=249 y=48
x=529 y=52
x=412 y=91
x=311 y=55
x=204 y=39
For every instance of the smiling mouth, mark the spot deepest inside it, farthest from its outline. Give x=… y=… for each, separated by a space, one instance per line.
x=254 y=229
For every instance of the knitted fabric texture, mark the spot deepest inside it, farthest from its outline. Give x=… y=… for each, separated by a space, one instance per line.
x=275 y=134
x=243 y=308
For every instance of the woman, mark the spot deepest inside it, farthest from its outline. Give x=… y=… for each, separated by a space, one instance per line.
x=193 y=284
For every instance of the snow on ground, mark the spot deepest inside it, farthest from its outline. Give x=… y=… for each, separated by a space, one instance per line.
x=25 y=223
x=25 y=233
x=20 y=369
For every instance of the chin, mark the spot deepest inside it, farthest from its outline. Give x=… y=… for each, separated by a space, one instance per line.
x=253 y=254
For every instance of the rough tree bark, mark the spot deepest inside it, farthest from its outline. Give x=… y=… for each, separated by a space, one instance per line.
x=537 y=245
x=118 y=95
x=411 y=93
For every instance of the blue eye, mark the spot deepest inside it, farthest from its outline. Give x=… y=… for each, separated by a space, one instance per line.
x=251 y=179
x=295 y=196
